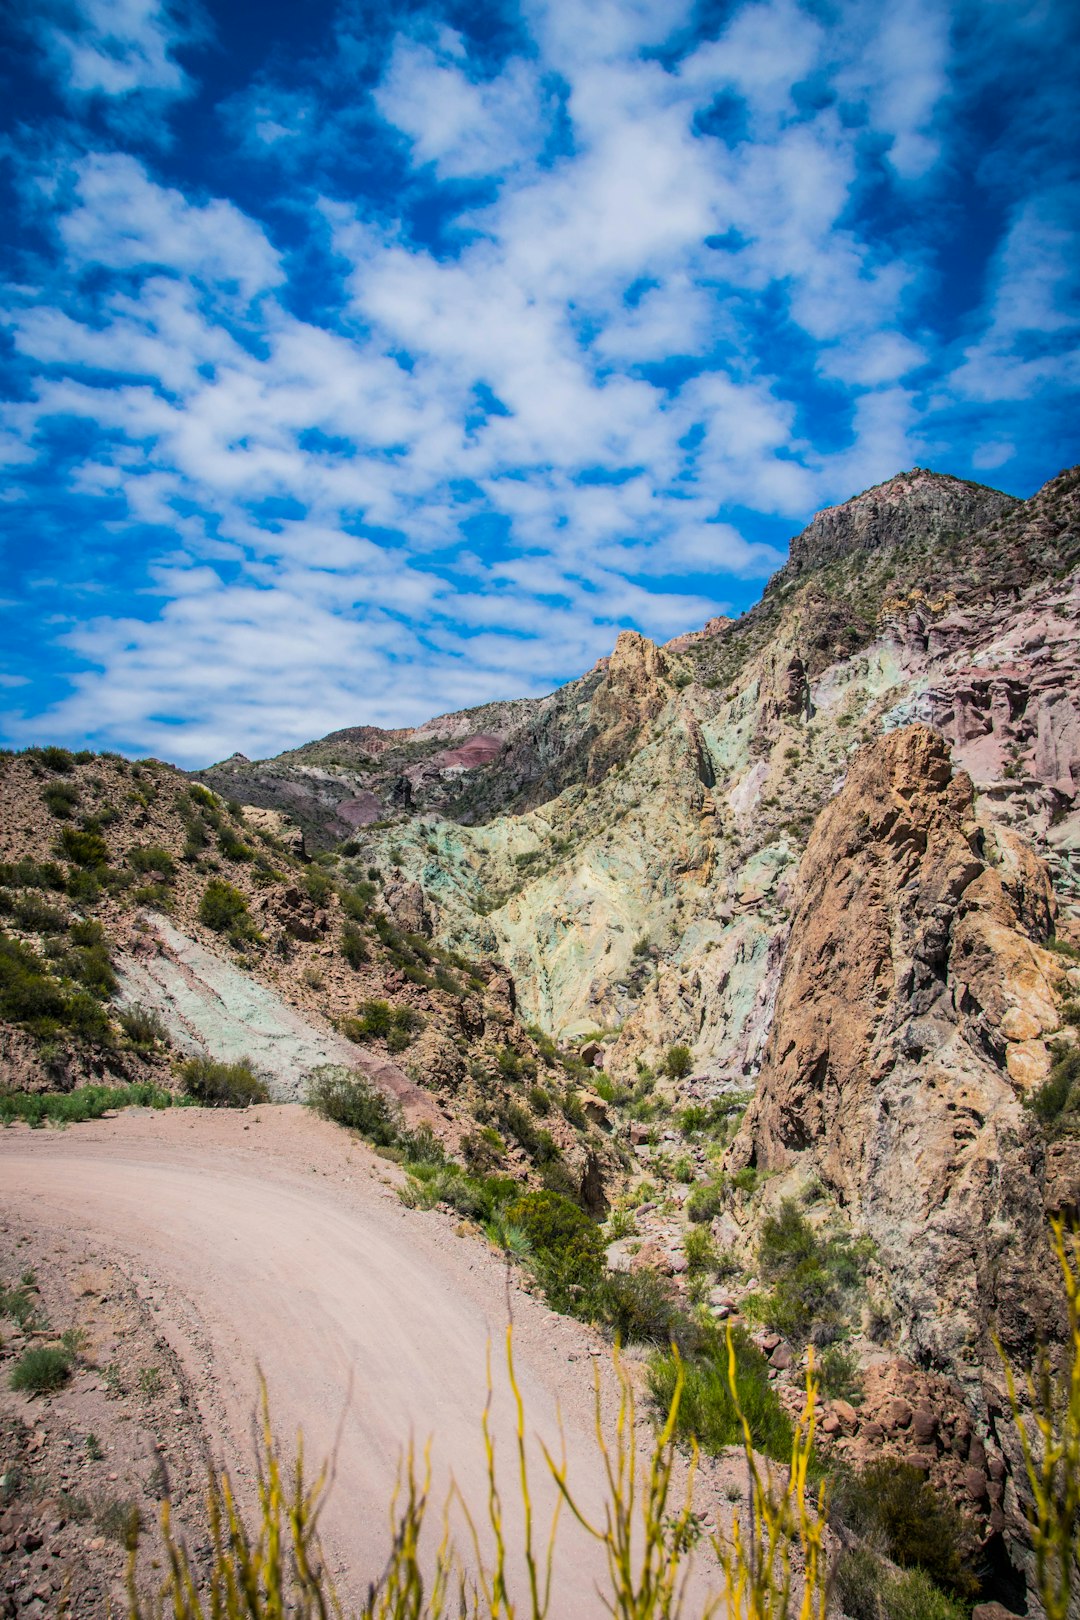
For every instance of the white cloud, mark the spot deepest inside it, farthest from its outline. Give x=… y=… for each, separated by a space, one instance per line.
x=116 y=47
x=461 y=479
x=1030 y=336
x=461 y=125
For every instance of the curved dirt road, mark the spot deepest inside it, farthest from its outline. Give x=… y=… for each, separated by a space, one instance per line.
x=271 y=1237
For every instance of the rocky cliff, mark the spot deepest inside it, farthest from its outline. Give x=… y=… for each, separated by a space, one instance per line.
x=911 y=1019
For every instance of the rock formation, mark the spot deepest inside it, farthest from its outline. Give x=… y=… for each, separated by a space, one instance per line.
x=909 y=1021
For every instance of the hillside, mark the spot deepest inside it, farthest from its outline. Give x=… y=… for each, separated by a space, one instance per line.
x=760 y=943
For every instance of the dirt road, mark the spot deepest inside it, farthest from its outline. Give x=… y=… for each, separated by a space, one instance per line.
x=272 y=1238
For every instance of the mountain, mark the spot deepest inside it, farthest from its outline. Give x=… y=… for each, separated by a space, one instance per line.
x=774 y=929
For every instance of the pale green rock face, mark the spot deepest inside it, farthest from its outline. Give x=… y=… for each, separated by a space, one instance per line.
x=650 y=901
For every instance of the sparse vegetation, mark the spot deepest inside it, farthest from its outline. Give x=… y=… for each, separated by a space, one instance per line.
x=349 y=1098
x=224 y=909
x=891 y=1503
x=678 y=1062
x=86 y=1102
x=222 y=1085
x=813 y=1278
x=41 y=1369
x=378 y=1020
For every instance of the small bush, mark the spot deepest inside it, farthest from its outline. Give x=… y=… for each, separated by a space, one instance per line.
x=918 y=1527
x=840 y=1377
x=317 y=885
x=222 y=1085
x=224 y=909
x=350 y=1098
x=151 y=858
x=143 y=1027
x=1052 y=1097
x=85 y=848
x=568 y=1247
x=56 y=759
x=41 y=1369
x=707 y=1410
x=36 y=916
x=707 y=1200
x=638 y=1307
x=811 y=1277
x=679 y=1062
x=700 y=1251
x=378 y=1020
x=353 y=945
x=61 y=799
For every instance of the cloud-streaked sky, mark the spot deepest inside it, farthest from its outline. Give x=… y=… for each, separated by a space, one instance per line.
x=362 y=362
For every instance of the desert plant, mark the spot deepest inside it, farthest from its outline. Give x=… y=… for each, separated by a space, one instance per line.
x=41 y=1369
x=152 y=858
x=84 y=847
x=349 y=1098
x=143 y=1027
x=1050 y=1437
x=707 y=1200
x=678 y=1062
x=222 y=1085
x=645 y=1529
x=724 y=1386
x=353 y=945
x=60 y=799
x=919 y=1527
x=224 y=909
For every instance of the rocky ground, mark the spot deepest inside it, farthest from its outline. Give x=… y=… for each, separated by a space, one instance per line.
x=84 y=1468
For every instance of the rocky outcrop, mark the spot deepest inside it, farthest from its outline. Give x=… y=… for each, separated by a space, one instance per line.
x=913 y=982
x=916 y=505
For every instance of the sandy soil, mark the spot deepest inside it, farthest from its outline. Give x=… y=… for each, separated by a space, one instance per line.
x=272 y=1238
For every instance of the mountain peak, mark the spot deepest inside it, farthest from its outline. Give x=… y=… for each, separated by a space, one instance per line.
x=918 y=504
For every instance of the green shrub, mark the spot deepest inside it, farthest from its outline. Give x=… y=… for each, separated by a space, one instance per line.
x=232 y=846
x=41 y=1369
x=356 y=901
x=30 y=996
x=353 y=945
x=92 y=967
x=317 y=885
x=349 y=1098
x=224 y=909
x=700 y=1251
x=56 y=759
x=811 y=1277
x=707 y=1411
x=32 y=875
x=152 y=858
x=840 y=1376
x=539 y=1101
x=918 y=1527
x=1052 y=1097
x=380 y=1021
x=707 y=1200
x=61 y=799
x=143 y=1027
x=568 y=1246
x=638 y=1307
x=222 y=1085
x=679 y=1062
x=84 y=888
x=37 y=916
x=84 y=847
x=519 y=1123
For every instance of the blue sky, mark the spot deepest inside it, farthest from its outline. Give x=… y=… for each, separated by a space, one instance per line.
x=361 y=362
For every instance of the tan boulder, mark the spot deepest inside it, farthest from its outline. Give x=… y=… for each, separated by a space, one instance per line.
x=1028 y=1063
